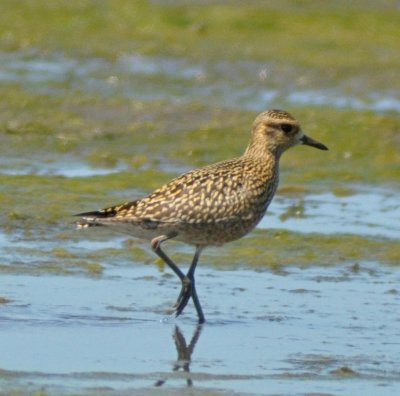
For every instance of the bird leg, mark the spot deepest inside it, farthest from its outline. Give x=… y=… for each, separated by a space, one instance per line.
x=188 y=289
x=184 y=295
x=156 y=246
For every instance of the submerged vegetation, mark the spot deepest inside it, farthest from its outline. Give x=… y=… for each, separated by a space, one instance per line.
x=103 y=101
x=47 y=128
x=284 y=31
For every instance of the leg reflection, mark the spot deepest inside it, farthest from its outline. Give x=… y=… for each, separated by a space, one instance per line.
x=184 y=352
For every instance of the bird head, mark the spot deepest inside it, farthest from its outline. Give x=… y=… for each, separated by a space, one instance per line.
x=277 y=131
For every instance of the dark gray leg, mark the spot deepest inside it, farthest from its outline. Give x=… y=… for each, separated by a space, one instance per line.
x=188 y=289
x=156 y=246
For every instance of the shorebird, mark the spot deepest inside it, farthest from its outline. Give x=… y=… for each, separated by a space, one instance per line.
x=212 y=205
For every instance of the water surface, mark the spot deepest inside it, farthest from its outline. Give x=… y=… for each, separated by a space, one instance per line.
x=242 y=84
x=334 y=330
x=94 y=112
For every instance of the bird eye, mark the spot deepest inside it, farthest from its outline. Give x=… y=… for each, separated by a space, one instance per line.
x=286 y=128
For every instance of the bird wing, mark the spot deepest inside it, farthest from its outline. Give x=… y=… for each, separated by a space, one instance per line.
x=208 y=194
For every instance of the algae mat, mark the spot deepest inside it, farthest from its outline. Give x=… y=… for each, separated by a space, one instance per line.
x=102 y=102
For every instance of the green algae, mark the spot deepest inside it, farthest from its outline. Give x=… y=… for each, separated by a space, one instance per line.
x=40 y=207
x=345 y=371
x=276 y=249
x=261 y=250
x=45 y=201
x=105 y=131
x=273 y=249
x=4 y=300
x=38 y=260
x=279 y=247
x=32 y=389
x=364 y=146
x=22 y=390
x=279 y=31
x=322 y=43
x=156 y=140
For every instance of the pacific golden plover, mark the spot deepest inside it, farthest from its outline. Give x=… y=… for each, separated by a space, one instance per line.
x=211 y=205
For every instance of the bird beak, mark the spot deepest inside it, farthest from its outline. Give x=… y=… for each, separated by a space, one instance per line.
x=311 y=142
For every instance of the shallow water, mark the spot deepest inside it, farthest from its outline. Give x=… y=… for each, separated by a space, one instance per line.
x=68 y=167
x=330 y=330
x=314 y=326
x=325 y=330
x=86 y=312
x=366 y=211
x=240 y=84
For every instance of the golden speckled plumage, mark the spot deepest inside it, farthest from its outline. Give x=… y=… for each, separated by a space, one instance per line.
x=211 y=205
x=207 y=206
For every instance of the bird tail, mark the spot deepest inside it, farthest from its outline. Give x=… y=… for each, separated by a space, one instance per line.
x=93 y=219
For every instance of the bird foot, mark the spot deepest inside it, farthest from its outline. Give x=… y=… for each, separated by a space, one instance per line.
x=184 y=296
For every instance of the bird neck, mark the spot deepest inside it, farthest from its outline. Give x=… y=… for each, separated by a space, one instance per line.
x=263 y=163
x=262 y=152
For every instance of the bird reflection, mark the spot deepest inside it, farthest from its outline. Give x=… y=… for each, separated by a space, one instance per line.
x=184 y=353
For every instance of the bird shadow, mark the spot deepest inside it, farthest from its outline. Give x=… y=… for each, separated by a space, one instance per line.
x=184 y=351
